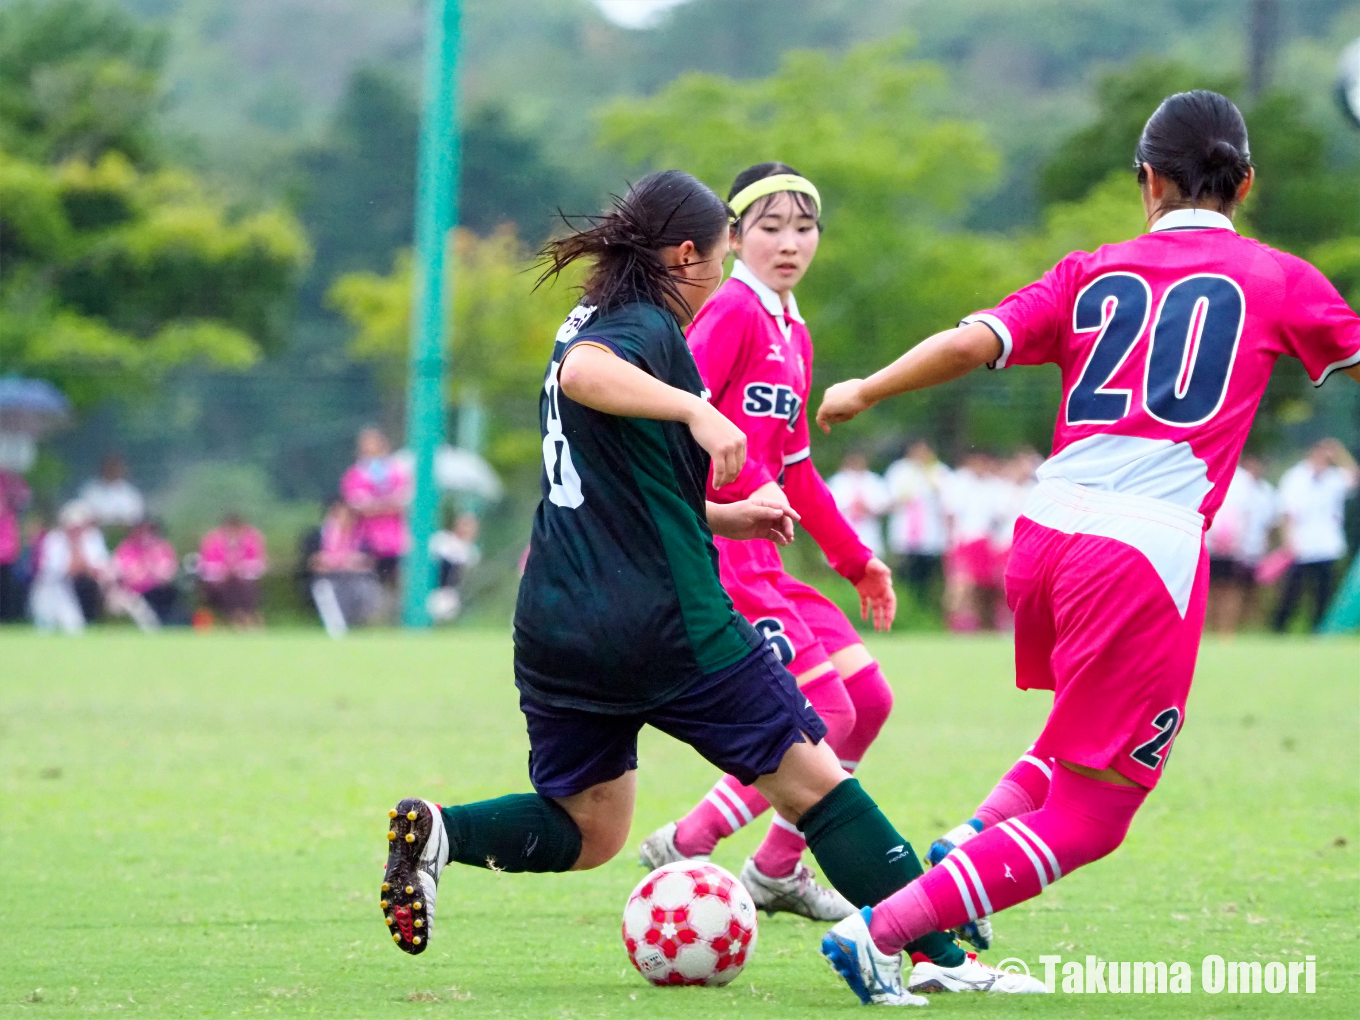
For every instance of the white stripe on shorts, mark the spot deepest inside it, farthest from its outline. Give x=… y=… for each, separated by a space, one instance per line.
x=1038 y=763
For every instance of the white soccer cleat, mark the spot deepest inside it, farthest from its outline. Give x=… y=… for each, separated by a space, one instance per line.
x=417 y=850
x=971 y=976
x=659 y=849
x=798 y=893
x=873 y=976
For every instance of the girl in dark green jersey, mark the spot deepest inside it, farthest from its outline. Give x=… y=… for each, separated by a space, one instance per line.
x=622 y=620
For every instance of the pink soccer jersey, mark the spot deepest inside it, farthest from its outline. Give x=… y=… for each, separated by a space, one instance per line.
x=1166 y=343
x=755 y=357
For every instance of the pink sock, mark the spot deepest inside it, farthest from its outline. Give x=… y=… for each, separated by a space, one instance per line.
x=872 y=699
x=1020 y=791
x=1081 y=821
x=726 y=808
x=783 y=845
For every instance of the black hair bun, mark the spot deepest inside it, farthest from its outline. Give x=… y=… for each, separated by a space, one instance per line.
x=1222 y=153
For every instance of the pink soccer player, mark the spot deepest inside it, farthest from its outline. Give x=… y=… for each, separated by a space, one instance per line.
x=1166 y=343
x=755 y=356
x=231 y=561
x=378 y=486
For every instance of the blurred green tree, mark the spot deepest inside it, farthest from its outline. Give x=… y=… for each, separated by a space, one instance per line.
x=502 y=329
x=113 y=269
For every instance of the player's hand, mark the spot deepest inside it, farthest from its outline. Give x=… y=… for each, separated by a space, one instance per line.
x=840 y=403
x=755 y=518
x=722 y=440
x=876 y=594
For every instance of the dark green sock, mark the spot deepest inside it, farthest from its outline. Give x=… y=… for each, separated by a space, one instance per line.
x=521 y=832
x=866 y=859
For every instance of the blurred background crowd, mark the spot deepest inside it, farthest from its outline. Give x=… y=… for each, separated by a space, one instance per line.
x=206 y=210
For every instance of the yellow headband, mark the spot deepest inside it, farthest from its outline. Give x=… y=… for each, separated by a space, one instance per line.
x=744 y=198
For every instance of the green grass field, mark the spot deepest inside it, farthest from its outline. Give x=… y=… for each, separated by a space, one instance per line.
x=193 y=825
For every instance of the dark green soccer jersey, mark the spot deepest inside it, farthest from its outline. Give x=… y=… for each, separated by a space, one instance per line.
x=620 y=608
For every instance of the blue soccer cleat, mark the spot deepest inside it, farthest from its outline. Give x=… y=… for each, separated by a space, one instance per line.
x=874 y=977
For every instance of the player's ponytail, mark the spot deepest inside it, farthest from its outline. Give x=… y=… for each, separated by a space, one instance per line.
x=1197 y=140
x=624 y=244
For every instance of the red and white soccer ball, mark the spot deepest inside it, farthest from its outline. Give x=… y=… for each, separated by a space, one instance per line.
x=689 y=923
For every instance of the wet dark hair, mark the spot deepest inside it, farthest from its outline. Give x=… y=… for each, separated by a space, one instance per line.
x=1198 y=140
x=624 y=243
x=758 y=208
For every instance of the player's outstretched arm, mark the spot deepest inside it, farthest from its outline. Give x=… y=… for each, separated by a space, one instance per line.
x=937 y=359
x=601 y=380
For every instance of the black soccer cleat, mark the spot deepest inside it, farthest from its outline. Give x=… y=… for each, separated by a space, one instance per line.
x=417 y=850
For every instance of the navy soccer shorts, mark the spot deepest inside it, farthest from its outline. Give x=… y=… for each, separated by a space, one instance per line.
x=742 y=719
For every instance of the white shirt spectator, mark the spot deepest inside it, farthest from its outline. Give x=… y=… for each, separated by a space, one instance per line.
x=1009 y=502
x=1241 y=531
x=53 y=600
x=917 y=524
x=863 y=498
x=970 y=500
x=1313 y=502
x=114 y=502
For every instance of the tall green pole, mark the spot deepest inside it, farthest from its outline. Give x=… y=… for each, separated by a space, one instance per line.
x=436 y=214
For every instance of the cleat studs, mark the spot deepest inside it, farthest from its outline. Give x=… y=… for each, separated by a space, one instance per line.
x=391 y=835
x=418 y=923
x=415 y=905
x=392 y=813
x=383 y=904
x=410 y=889
x=385 y=887
x=410 y=837
x=410 y=816
x=396 y=936
x=390 y=921
x=416 y=940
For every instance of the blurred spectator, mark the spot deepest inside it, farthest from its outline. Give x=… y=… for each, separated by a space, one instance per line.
x=863 y=498
x=1010 y=487
x=1237 y=542
x=454 y=550
x=14 y=499
x=114 y=501
x=1313 y=496
x=73 y=568
x=971 y=510
x=145 y=563
x=378 y=487
x=231 y=561
x=916 y=527
x=344 y=586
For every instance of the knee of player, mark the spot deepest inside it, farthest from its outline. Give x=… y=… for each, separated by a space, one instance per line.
x=601 y=840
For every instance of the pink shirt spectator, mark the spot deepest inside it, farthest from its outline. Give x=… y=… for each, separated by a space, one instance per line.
x=370 y=487
x=341 y=544
x=224 y=554
x=144 y=560
x=14 y=497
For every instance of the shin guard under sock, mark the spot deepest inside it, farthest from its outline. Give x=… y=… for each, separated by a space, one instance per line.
x=1082 y=820
x=872 y=699
x=521 y=832
x=866 y=859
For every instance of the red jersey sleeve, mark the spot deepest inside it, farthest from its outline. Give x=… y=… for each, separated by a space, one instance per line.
x=808 y=494
x=1319 y=329
x=1030 y=322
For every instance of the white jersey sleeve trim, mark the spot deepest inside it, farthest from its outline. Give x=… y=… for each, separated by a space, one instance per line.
x=1337 y=366
x=1001 y=330
x=794 y=458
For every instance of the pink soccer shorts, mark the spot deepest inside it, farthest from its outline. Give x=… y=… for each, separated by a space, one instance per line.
x=803 y=626
x=1095 y=624
x=972 y=562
